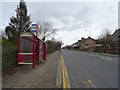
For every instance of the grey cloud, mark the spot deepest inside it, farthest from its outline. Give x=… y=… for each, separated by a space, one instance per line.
x=79 y=20
x=49 y=10
x=71 y=16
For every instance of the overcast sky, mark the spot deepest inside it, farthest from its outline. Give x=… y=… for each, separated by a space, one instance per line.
x=74 y=19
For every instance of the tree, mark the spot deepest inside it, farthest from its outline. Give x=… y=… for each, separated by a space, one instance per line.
x=19 y=23
x=106 y=39
x=46 y=30
x=57 y=45
x=11 y=34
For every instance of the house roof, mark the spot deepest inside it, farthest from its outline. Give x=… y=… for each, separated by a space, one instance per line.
x=116 y=35
x=90 y=38
x=83 y=39
x=75 y=43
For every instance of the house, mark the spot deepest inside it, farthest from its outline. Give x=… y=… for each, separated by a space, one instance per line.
x=116 y=38
x=84 y=43
x=98 y=43
x=87 y=44
x=74 y=45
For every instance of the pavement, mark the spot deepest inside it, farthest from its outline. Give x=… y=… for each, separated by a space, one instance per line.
x=87 y=70
x=42 y=76
x=106 y=54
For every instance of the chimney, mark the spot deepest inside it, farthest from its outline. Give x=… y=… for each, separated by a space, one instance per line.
x=83 y=39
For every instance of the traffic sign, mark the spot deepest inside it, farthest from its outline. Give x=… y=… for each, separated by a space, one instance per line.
x=34 y=29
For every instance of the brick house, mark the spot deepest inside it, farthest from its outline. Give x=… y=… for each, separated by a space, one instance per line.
x=87 y=44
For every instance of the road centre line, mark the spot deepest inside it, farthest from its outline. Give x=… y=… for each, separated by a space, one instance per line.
x=106 y=58
x=66 y=83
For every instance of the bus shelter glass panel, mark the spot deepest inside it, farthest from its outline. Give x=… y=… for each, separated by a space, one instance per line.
x=26 y=44
x=26 y=49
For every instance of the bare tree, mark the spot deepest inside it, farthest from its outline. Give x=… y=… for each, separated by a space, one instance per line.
x=46 y=30
x=104 y=34
x=106 y=38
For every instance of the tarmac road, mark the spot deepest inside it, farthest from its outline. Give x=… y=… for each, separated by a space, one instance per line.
x=86 y=70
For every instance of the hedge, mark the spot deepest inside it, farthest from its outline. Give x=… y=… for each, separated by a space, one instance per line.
x=9 y=55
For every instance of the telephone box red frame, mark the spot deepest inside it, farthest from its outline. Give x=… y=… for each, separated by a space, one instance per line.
x=35 y=56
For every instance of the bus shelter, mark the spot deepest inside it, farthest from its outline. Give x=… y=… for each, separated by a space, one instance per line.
x=31 y=50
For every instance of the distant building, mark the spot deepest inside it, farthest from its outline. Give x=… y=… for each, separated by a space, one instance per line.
x=87 y=44
x=112 y=42
x=74 y=45
x=116 y=38
x=98 y=43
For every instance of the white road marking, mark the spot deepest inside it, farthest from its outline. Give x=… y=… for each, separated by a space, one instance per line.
x=102 y=57
x=106 y=58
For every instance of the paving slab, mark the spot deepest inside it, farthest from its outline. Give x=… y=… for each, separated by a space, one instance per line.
x=42 y=76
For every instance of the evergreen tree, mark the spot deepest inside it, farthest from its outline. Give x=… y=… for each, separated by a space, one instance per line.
x=19 y=23
x=11 y=33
